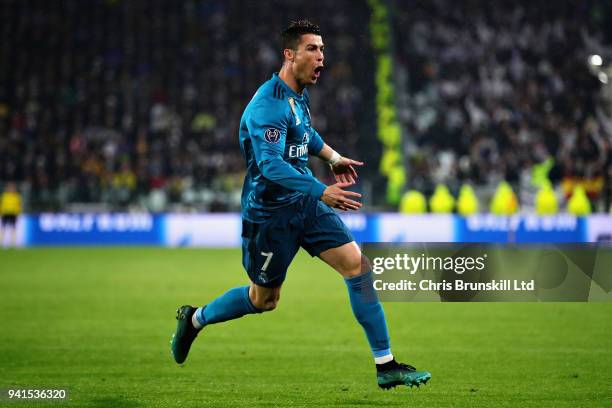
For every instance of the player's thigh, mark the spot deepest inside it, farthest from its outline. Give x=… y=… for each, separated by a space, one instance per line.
x=326 y=236
x=267 y=250
x=346 y=259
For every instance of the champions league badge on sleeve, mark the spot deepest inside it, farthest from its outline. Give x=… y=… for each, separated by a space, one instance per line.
x=272 y=135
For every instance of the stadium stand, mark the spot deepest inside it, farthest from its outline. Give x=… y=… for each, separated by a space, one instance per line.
x=488 y=90
x=122 y=104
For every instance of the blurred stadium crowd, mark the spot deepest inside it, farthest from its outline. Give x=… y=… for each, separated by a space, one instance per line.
x=123 y=104
x=137 y=103
x=494 y=90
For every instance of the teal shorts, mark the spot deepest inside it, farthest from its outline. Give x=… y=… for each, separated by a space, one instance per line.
x=269 y=247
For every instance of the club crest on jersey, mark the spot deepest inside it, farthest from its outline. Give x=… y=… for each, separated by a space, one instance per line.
x=272 y=135
x=306 y=138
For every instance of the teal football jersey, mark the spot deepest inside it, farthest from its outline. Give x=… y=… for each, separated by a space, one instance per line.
x=276 y=137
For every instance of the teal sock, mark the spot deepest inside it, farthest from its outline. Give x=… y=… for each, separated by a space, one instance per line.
x=231 y=305
x=369 y=313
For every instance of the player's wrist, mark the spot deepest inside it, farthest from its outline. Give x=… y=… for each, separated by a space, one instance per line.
x=335 y=158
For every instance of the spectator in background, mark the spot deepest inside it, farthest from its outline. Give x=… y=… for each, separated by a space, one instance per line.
x=10 y=209
x=494 y=88
x=140 y=112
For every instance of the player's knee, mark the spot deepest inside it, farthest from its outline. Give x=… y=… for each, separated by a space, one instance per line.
x=366 y=265
x=266 y=305
x=352 y=264
x=269 y=305
x=267 y=302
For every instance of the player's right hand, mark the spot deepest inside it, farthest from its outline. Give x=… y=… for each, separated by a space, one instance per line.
x=336 y=197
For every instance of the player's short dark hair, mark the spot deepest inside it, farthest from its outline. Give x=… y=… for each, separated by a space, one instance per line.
x=292 y=34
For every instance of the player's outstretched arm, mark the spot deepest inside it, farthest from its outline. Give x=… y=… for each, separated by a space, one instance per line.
x=336 y=197
x=342 y=167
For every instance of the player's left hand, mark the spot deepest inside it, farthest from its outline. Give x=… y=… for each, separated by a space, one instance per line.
x=344 y=172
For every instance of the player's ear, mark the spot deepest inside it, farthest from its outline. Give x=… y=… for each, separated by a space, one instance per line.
x=289 y=54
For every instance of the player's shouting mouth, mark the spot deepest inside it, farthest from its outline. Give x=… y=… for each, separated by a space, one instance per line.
x=317 y=72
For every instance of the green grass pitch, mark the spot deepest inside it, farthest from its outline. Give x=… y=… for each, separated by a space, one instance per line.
x=99 y=322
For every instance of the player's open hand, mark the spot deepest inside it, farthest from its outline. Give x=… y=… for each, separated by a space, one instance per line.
x=344 y=170
x=336 y=197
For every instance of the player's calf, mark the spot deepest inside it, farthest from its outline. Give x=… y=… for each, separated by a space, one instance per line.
x=233 y=304
x=264 y=299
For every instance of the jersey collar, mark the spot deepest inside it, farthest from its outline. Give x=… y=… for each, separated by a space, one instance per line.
x=290 y=91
